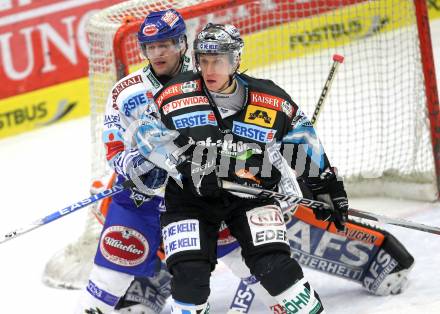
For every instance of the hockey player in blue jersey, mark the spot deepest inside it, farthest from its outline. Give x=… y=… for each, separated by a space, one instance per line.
x=131 y=234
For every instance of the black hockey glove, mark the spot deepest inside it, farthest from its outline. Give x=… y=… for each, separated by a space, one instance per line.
x=199 y=171
x=328 y=188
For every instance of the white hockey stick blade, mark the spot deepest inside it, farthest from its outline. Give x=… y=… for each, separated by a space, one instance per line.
x=312 y=203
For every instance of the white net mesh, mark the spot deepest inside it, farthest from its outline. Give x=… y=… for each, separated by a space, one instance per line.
x=374 y=125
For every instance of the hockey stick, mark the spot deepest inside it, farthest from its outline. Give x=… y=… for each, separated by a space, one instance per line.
x=337 y=59
x=275 y=156
x=67 y=210
x=393 y=221
x=230 y=186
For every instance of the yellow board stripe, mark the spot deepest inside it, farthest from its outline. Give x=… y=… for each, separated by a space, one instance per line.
x=433 y=9
x=42 y=107
x=328 y=30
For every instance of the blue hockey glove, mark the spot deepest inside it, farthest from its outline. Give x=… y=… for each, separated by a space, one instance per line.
x=155 y=178
x=146 y=177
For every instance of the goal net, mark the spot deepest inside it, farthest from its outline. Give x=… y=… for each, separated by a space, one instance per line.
x=374 y=126
x=377 y=121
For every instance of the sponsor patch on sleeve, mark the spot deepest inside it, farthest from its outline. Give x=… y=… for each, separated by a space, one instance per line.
x=123 y=85
x=113 y=142
x=133 y=101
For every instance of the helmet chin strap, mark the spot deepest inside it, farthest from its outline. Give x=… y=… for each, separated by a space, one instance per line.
x=229 y=86
x=181 y=60
x=231 y=82
x=182 y=57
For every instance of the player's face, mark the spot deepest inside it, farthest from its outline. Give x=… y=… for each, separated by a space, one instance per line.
x=216 y=70
x=164 y=57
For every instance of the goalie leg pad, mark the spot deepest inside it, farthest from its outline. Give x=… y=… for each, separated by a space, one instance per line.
x=362 y=253
x=147 y=295
x=388 y=272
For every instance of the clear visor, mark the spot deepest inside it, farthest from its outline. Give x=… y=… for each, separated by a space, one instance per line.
x=224 y=64
x=161 y=49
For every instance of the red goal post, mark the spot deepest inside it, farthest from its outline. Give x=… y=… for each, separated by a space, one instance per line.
x=380 y=126
x=432 y=100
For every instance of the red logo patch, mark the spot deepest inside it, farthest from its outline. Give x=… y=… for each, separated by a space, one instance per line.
x=266 y=100
x=123 y=246
x=270 y=136
x=211 y=116
x=113 y=148
x=150 y=30
x=267 y=217
x=224 y=236
x=185 y=102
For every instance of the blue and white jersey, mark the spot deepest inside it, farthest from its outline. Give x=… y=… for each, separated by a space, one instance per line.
x=126 y=103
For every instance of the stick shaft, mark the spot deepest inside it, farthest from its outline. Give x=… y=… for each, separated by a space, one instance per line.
x=337 y=59
x=293 y=200
x=65 y=211
x=393 y=221
x=316 y=205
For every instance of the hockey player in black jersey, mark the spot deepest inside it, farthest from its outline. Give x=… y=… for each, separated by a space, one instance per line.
x=229 y=118
x=225 y=121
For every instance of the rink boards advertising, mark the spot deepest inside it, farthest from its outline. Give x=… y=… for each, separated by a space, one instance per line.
x=44 y=49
